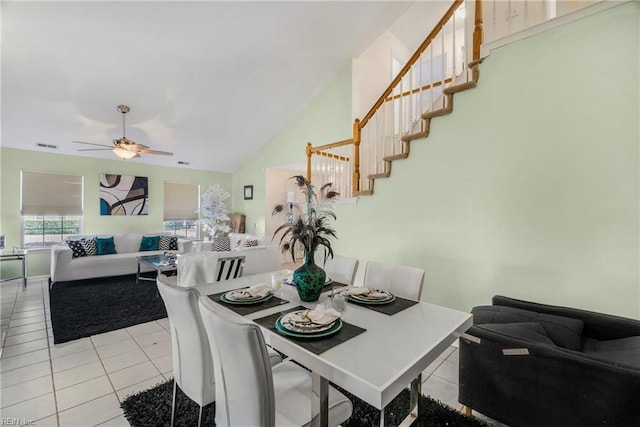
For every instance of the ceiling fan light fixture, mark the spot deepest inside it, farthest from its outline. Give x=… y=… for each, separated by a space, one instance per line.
x=124 y=154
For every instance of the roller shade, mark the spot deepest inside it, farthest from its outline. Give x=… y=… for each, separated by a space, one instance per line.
x=180 y=201
x=46 y=193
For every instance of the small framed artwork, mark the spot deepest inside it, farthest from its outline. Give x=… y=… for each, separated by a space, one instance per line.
x=248 y=192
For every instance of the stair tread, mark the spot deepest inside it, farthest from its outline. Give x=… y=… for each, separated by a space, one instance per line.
x=379 y=175
x=416 y=135
x=395 y=157
x=460 y=87
x=437 y=113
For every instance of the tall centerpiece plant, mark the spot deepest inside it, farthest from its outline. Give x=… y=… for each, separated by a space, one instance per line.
x=214 y=213
x=309 y=231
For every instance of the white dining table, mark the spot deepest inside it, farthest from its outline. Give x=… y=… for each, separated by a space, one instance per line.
x=375 y=365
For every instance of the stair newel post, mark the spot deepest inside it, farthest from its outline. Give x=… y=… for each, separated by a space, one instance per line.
x=478 y=32
x=309 y=153
x=356 y=157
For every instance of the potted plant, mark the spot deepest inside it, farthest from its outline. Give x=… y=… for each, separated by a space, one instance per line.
x=310 y=230
x=214 y=213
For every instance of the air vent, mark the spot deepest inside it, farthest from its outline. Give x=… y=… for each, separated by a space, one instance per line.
x=43 y=145
x=184 y=163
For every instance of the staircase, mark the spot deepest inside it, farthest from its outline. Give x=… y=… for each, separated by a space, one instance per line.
x=447 y=108
x=423 y=90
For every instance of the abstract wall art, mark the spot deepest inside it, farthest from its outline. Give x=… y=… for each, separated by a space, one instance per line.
x=124 y=195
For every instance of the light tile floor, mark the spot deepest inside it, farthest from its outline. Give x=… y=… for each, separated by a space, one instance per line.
x=82 y=382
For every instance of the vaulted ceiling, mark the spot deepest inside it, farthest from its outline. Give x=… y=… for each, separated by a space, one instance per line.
x=210 y=81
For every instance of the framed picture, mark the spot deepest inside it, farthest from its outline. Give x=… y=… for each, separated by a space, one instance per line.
x=248 y=192
x=124 y=195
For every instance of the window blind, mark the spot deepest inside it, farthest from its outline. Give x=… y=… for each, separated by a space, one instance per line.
x=44 y=193
x=180 y=201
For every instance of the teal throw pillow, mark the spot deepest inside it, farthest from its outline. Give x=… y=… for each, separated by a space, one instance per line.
x=149 y=243
x=105 y=245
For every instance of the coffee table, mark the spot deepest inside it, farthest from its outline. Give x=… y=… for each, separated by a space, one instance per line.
x=160 y=263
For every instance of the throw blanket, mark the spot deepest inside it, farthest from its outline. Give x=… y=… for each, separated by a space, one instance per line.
x=197 y=268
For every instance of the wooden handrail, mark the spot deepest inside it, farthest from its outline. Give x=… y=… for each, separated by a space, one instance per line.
x=412 y=61
x=331 y=156
x=332 y=145
x=419 y=89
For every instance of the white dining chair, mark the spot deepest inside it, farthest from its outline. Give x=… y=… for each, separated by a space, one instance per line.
x=190 y=348
x=229 y=267
x=402 y=281
x=191 y=354
x=197 y=268
x=340 y=269
x=249 y=391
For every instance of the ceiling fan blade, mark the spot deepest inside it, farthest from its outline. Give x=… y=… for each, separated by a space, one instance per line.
x=91 y=143
x=95 y=149
x=162 y=153
x=137 y=147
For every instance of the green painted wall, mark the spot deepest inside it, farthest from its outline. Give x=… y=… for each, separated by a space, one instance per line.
x=14 y=160
x=529 y=189
x=326 y=118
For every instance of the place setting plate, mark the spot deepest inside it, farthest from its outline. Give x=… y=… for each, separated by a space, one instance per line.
x=286 y=326
x=327 y=281
x=239 y=297
x=381 y=297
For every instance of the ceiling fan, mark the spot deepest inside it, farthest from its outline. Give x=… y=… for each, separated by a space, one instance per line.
x=123 y=147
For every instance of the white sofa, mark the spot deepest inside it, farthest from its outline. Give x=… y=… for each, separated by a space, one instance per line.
x=258 y=259
x=64 y=267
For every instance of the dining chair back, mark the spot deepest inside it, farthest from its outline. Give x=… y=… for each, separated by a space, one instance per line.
x=403 y=281
x=197 y=268
x=251 y=392
x=229 y=267
x=340 y=269
x=191 y=354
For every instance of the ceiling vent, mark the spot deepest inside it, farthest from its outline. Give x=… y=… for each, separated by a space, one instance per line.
x=183 y=163
x=43 y=145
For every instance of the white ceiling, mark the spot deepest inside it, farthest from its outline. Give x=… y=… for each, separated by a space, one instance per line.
x=210 y=81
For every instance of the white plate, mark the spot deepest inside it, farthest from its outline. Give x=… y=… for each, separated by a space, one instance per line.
x=327 y=281
x=366 y=298
x=310 y=328
x=239 y=295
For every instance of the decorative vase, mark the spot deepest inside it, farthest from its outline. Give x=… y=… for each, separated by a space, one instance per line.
x=309 y=279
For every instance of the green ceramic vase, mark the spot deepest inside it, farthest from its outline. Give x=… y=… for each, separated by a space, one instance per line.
x=309 y=280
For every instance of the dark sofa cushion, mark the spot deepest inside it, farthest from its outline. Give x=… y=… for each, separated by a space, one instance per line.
x=563 y=331
x=527 y=331
x=623 y=351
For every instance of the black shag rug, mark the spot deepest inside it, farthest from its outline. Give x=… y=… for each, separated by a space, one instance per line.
x=82 y=308
x=153 y=408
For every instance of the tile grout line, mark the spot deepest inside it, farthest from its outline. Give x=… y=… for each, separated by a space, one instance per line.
x=49 y=339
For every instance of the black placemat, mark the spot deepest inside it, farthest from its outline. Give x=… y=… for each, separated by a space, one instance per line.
x=243 y=310
x=314 y=345
x=328 y=287
x=333 y=285
x=392 y=308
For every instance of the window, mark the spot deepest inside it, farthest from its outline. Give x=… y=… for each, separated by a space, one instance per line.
x=51 y=207
x=181 y=201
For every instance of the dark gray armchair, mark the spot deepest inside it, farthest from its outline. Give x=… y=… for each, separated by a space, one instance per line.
x=529 y=364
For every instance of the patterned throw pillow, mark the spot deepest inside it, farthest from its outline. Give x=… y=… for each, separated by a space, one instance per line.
x=221 y=244
x=90 y=247
x=168 y=243
x=77 y=248
x=250 y=242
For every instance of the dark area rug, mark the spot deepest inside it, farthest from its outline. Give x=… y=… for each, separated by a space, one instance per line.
x=82 y=308
x=153 y=408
